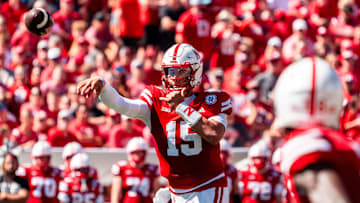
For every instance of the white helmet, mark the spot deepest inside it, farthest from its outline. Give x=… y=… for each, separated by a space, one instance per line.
x=259 y=149
x=183 y=55
x=41 y=148
x=308 y=92
x=71 y=149
x=80 y=160
x=136 y=144
x=225 y=146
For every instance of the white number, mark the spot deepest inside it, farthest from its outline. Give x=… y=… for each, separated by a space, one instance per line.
x=48 y=184
x=203 y=28
x=260 y=188
x=186 y=136
x=80 y=198
x=138 y=186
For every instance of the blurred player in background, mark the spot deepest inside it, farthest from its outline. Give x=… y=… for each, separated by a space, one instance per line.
x=80 y=187
x=320 y=164
x=135 y=180
x=187 y=127
x=230 y=171
x=42 y=177
x=259 y=182
x=69 y=151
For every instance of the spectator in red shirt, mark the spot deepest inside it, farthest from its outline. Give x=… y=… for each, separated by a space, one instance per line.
x=321 y=11
x=41 y=54
x=23 y=135
x=226 y=40
x=54 y=56
x=65 y=17
x=19 y=90
x=98 y=34
x=298 y=45
x=273 y=44
x=56 y=82
x=123 y=132
x=59 y=135
x=348 y=18
x=35 y=76
x=126 y=22
x=216 y=80
x=136 y=82
x=12 y=11
x=36 y=101
x=112 y=119
x=40 y=126
x=194 y=27
x=52 y=108
x=86 y=133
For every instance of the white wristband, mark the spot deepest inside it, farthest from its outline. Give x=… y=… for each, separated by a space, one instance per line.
x=190 y=115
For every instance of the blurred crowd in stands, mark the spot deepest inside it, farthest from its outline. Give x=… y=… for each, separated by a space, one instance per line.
x=245 y=44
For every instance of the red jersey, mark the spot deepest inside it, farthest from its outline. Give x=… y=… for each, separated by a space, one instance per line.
x=188 y=162
x=256 y=187
x=137 y=183
x=304 y=147
x=73 y=190
x=196 y=30
x=43 y=184
x=130 y=22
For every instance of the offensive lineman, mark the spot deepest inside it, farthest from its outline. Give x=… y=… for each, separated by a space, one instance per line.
x=187 y=127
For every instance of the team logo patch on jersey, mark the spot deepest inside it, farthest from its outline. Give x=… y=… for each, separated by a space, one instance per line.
x=210 y=99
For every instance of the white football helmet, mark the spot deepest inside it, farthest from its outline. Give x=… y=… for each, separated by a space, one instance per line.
x=80 y=160
x=179 y=56
x=225 y=146
x=259 y=150
x=71 y=149
x=308 y=92
x=41 y=148
x=136 y=144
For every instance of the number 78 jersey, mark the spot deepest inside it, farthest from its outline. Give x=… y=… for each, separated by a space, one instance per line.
x=186 y=160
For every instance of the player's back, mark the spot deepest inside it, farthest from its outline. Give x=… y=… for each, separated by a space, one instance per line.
x=322 y=147
x=185 y=158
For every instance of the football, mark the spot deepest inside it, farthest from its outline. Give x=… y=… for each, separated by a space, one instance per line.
x=38 y=21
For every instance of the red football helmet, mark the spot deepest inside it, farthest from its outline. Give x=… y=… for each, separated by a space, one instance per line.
x=181 y=67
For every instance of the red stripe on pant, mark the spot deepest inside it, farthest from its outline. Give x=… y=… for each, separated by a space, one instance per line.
x=218 y=198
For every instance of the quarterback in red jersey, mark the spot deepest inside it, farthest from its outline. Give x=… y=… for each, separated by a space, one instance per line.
x=319 y=164
x=70 y=150
x=230 y=171
x=42 y=177
x=258 y=182
x=187 y=126
x=135 y=181
x=79 y=187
